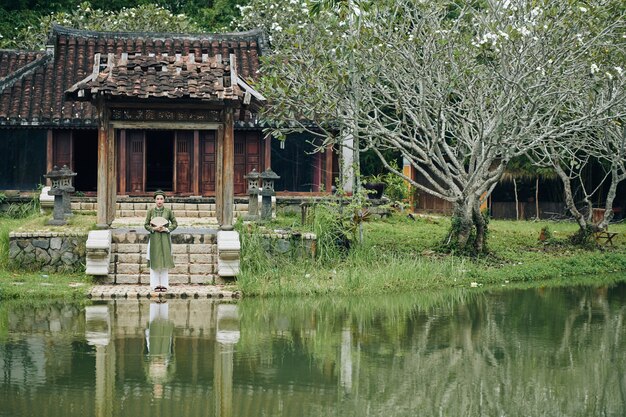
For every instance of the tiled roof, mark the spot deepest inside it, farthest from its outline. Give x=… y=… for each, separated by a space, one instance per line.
x=35 y=96
x=161 y=76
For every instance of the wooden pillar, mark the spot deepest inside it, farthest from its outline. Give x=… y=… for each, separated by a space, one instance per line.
x=268 y=151
x=111 y=173
x=195 y=182
x=49 y=154
x=219 y=169
x=122 y=161
x=228 y=170
x=317 y=171
x=328 y=181
x=103 y=197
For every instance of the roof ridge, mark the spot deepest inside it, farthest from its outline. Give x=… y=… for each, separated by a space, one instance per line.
x=13 y=77
x=250 y=34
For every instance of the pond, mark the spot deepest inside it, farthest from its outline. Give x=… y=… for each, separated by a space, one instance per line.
x=539 y=352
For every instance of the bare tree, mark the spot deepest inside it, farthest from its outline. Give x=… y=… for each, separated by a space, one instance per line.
x=458 y=89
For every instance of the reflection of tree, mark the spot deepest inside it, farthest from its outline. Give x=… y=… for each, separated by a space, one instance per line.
x=545 y=352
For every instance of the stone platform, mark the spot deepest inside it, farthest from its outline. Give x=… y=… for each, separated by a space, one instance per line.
x=109 y=292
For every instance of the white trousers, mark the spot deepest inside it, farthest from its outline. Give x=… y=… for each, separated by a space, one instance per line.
x=159 y=278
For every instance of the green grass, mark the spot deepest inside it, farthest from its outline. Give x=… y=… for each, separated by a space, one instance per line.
x=400 y=255
x=32 y=285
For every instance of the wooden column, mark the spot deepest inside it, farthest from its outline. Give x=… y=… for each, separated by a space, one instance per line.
x=228 y=170
x=122 y=161
x=103 y=198
x=111 y=172
x=328 y=181
x=195 y=182
x=268 y=152
x=317 y=171
x=49 y=154
x=219 y=173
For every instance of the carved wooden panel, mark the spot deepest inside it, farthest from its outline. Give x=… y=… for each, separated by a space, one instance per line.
x=207 y=162
x=135 y=142
x=247 y=156
x=62 y=149
x=184 y=161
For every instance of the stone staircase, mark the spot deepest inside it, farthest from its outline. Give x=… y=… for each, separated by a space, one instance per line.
x=194 y=250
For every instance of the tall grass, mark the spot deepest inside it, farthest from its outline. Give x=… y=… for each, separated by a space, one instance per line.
x=399 y=255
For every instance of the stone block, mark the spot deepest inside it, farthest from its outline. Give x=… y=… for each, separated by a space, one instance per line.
x=127 y=269
x=181 y=258
x=128 y=248
x=144 y=268
x=127 y=213
x=201 y=248
x=144 y=278
x=205 y=214
x=129 y=258
x=75 y=206
x=127 y=279
x=178 y=206
x=41 y=243
x=55 y=243
x=141 y=213
x=191 y=206
x=206 y=207
x=179 y=248
x=201 y=258
x=127 y=206
x=141 y=206
x=179 y=279
x=202 y=279
x=180 y=269
x=201 y=269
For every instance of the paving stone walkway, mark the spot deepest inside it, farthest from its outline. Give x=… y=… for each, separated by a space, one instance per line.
x=109 y=292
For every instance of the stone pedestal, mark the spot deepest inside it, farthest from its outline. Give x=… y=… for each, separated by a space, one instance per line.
x=228 y=253
x=98 y=249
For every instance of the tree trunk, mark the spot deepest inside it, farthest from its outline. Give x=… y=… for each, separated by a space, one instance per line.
x=468 y=230
x=516 y=199
x=610 y=197
x=481 y=228
x=537 y=216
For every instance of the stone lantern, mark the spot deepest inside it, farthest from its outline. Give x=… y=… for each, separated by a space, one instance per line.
x=61 y=187
x=253 y=193
x=267 y=192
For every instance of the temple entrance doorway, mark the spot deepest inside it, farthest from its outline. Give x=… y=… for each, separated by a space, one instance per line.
x=159 y=160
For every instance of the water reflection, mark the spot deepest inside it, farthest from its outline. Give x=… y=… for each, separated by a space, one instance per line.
x=557 y=352
x=159 y=343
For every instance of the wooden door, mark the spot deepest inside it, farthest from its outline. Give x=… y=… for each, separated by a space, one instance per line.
x=135 y=142
x=62 y=150
x=247 y=157
x=207 y=162
x=184 y=162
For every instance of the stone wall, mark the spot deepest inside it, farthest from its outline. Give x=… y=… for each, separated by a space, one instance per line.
x=286 y=242
x=48 y=251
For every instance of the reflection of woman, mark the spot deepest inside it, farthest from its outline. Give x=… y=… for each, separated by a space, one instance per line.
x=159 y=340
x=160 y=244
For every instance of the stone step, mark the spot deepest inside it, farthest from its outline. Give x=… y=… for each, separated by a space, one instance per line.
x=175 y=291
x=194 y=250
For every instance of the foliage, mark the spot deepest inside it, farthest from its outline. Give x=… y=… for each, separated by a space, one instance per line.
x=27 y=25
x=19 y=210
x=459 y=89
x=397 y=256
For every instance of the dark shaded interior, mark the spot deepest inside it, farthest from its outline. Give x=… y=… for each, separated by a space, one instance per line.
x=22 y=159
x=86 y=160
x=159 y=160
